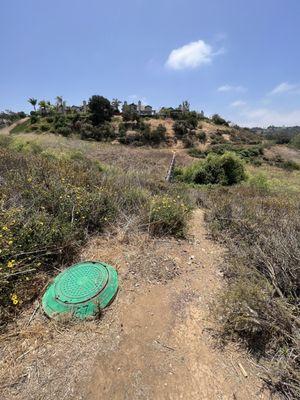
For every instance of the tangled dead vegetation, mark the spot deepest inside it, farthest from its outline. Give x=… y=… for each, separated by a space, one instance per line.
x=261 y=304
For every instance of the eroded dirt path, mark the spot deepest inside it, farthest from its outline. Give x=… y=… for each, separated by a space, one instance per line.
x=164 y=349
x=6 y=130
x=154 y=342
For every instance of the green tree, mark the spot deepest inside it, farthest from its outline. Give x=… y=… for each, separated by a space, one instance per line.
x=43 y=105
x=115 y=105
x=101 y=109
x=33 y=102
x=216 y=119
x=185 y=106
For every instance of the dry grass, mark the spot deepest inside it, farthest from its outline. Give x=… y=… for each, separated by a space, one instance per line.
x=286 y=153
x=34 y=357
x=167 y=123
x=261 y=304
x=148 y=161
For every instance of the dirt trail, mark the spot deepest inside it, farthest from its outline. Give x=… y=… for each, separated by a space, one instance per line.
x=154 y=342
x=6 y=130
x=164 y=348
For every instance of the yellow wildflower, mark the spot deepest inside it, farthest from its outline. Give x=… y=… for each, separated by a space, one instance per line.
x=11 y=263
x=14 y=299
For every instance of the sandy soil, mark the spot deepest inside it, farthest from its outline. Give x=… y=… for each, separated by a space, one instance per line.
x=156 y=341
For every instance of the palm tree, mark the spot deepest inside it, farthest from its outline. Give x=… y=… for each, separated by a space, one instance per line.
x=59 y=103
x=33 y=102
x=115 y=105
x=44 y=105
x=59 y=99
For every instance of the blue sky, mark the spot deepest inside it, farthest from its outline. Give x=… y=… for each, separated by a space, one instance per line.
x=238 y=58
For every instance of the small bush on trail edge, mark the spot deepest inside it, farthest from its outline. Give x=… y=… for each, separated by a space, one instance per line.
x=50 y=205
x=260 y=305
x=168 y=216
x=227 y=169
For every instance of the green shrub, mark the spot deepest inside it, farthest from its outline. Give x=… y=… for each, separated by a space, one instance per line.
x=50 y=120
x=64 y=131
x=290 y=165
x=181 y=128
x=202 y=136
x=59 y=121
x=87 y=131
x=168 y=216
x=197 y=153
x=227 y=169
x=33 y=119
x=152 y=136
x=102 y=132
x=158 y=134
x=44 y=127
x=216 y=119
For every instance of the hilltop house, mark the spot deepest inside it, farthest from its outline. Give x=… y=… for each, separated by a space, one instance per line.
x=61 y=107
x=139 y=109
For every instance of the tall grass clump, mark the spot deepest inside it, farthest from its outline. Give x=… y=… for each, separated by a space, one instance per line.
x=49 y=206
x=261 y=303
x=227 y=169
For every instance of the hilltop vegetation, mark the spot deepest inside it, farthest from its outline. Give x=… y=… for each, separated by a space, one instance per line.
x=101 y=120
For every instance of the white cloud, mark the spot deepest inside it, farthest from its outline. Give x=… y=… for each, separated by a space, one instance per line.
x=238 y=103
x=265 y=117
x=190 y=56
x=285 y=87
x=230 y=88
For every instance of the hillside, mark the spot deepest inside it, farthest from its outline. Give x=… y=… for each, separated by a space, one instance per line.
x=200 y=265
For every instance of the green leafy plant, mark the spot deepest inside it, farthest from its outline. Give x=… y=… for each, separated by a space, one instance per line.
x=227 y=169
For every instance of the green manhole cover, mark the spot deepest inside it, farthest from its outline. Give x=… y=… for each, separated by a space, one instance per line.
x=81 y=290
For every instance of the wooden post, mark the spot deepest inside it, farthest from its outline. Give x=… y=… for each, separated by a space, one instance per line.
x=171 y=168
